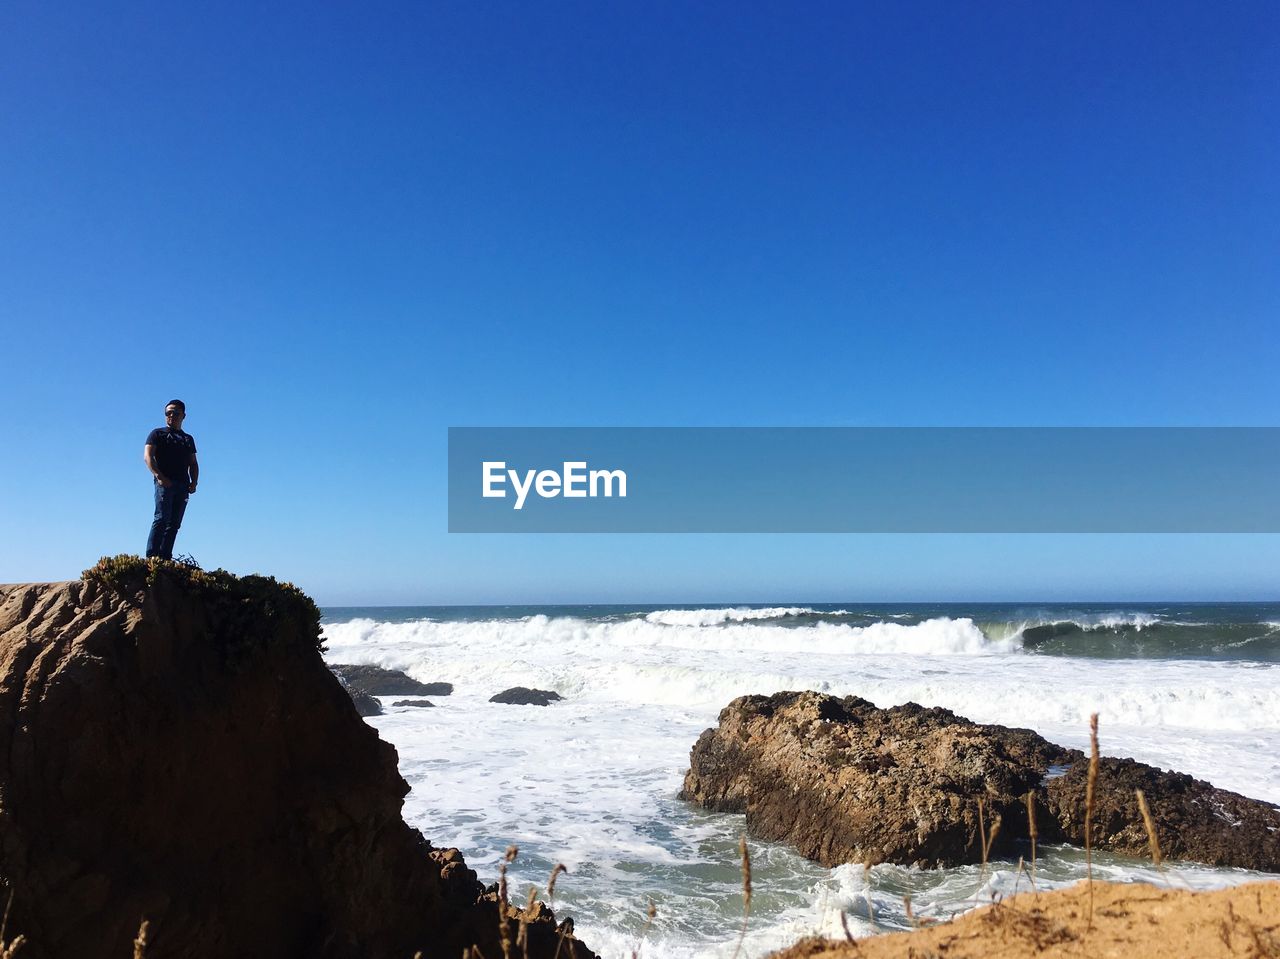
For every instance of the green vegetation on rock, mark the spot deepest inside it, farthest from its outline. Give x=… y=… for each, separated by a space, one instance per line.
x=132 y=577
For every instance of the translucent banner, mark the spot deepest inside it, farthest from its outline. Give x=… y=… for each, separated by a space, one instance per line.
x=864 y=480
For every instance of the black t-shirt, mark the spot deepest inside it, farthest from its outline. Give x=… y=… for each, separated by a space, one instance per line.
x=171 y=451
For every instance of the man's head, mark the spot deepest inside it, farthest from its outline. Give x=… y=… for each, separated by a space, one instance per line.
x=175 y=411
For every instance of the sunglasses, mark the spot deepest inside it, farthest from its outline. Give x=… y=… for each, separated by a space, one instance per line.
x=173 y=412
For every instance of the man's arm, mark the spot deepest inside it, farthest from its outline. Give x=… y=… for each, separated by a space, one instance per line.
x=195 y=473
x=151 y=465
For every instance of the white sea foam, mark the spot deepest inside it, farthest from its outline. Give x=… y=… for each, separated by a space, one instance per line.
x=934 y=637
x=1137 y=621
x=592 y=781
x=627 y=663
x=1013 y=630
x=737 y=614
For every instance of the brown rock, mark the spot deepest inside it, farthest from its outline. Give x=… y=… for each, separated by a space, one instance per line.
x=522 y=696
x=176 y=750
x=844 y=781
x=1193 y=819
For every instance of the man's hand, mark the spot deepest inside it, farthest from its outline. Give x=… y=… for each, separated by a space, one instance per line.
x=163 y=481
x=192 y=489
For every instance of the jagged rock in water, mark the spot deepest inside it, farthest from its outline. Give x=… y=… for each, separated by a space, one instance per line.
x=376 y=681
x=173 y=748
x=521 y=696
x=844 y=781
x=365 y=704
x=413 y=702
x=1193 y=819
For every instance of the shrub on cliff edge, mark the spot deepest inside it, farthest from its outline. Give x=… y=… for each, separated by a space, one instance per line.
x=131 y=576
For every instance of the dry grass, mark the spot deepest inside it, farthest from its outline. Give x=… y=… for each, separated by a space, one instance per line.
x=987 y=841
x=522 y=937
x=746 y=892
x=1031 y=828
x=504 y=929
x=1153 y=841
x=566 y=926
x=844 y=924
x=982 y=834
x=556 y=872
x=525 y=915
x=1088 y=808
x=649 y=915
x=8 y=949
x=1022 y=870
x=866 y=888
x=991 y=839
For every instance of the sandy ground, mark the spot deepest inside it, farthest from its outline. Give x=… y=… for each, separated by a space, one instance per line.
x=1132 y=921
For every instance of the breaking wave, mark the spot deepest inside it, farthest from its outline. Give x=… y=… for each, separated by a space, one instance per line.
x=737 y=614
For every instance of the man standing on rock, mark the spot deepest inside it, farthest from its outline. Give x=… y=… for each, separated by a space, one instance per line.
x=170 y=455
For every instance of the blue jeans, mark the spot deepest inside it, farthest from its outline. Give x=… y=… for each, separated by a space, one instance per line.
x=171 y=503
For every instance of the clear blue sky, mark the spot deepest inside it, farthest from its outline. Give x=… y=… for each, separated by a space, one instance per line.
x=336 y=230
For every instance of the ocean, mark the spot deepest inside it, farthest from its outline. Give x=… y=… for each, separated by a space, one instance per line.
x=591 y=782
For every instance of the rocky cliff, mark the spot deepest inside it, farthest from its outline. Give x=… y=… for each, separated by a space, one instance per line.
x=844 y=781
x=174 y=749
